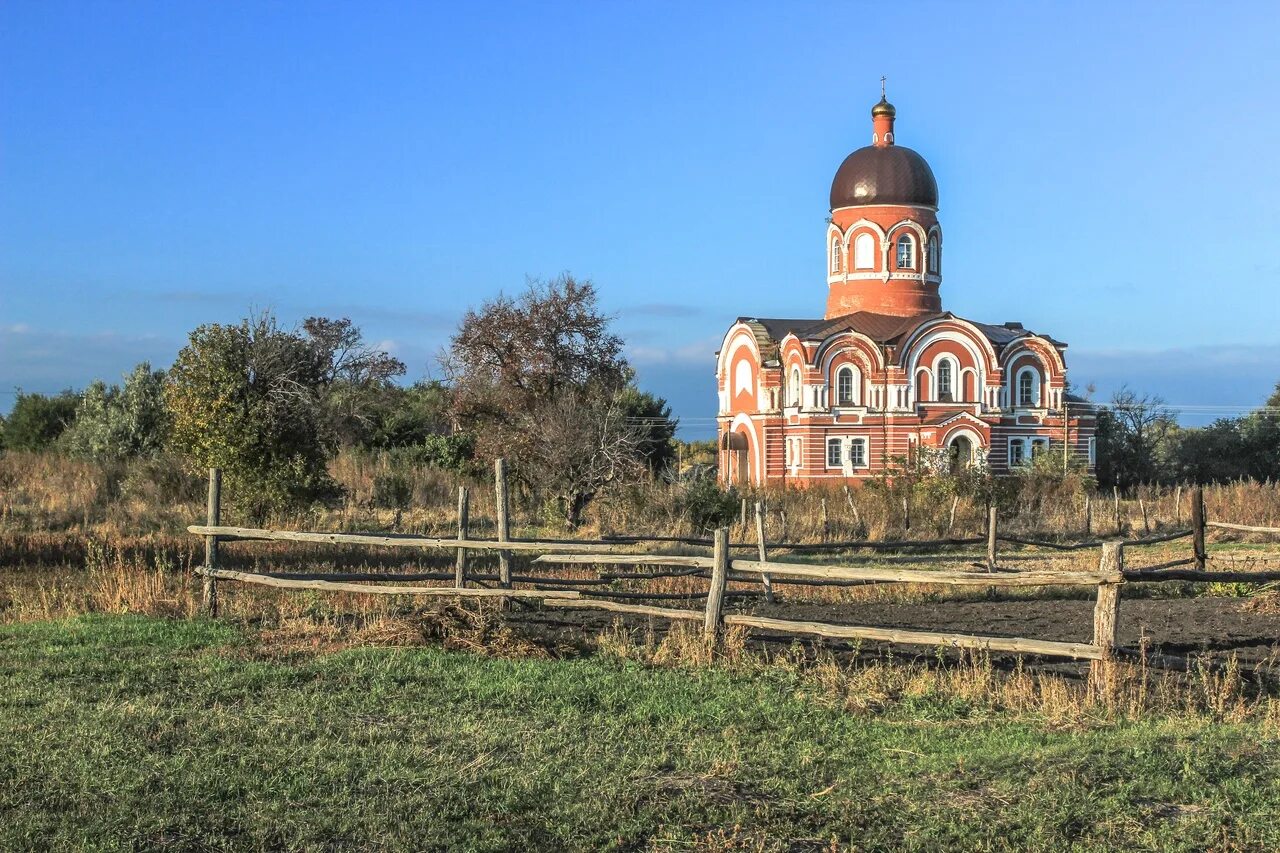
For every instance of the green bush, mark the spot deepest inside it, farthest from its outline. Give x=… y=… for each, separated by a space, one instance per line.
x=707 y=506
x=392 y=491
x=38 y=420
x=114 y=422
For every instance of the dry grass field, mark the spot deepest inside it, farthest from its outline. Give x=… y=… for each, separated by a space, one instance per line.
x=767 y=742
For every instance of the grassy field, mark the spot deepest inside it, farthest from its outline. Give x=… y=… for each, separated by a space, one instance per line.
x=127 y=732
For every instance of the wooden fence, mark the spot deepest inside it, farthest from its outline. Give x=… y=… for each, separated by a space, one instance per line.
x=719 y=568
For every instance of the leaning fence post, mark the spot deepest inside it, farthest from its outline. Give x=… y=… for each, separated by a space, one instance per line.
x=1105 y=613
x=765 y=579
x=991 y=537
x=213 y=518
x=719 y=577
x=1197 y=527
x=504 y=521
x=1088 y=515
x=460 y=567
x=1115 y=491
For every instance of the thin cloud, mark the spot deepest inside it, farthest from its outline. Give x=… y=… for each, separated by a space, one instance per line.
x=664 y=309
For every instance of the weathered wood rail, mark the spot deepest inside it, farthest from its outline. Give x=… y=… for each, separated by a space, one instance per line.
x=719 y=569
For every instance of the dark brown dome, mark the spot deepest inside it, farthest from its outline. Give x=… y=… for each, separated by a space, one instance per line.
x=888 y=174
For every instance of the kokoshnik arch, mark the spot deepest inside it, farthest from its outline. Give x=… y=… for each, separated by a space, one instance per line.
x=885 y=370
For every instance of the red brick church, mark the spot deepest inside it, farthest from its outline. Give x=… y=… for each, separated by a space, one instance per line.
x=886 y=371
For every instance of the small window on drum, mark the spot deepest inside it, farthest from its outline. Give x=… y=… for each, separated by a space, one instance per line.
x=835 y=254
x=933 y=253
x=906 y=252
x=864 y=252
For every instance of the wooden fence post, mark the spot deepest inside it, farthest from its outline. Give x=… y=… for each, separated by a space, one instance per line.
x=1177 y=507
x=991 y=537
x=464 y=507
x=742 y=515
x=504 y=520
x=1105 y=613
x=1115 y=490
x=213 y=517
x=1088 y=514
x=1197 y=527
x=1142 y=505
x=719 y=576
x=766 y=580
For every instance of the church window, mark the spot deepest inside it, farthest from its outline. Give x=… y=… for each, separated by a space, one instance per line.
x=793 y=392
x=846 y=387
x=858 y=452
x=906 y=252
x=864 y=252
x=835 y=455
x=933 y=253
x=946 y=384
x=835 y=254
x=1038 y=446
x=1017 y=452
x=1028 y=390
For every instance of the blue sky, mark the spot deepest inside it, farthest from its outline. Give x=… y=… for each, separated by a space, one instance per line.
x=1108 y=174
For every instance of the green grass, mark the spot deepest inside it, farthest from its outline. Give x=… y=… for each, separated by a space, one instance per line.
x=121 y=732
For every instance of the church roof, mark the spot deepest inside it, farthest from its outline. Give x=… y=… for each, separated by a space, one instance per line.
x=889 y=174
x=884 y=329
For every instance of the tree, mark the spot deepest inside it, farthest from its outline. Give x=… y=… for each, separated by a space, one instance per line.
x=655 y=428
x=37 y=420
x=249 y=399
x=1134 y=437
x=405 y=417
x=581 y=443
x=355 y=381
x=114 y=422
x=541 y=379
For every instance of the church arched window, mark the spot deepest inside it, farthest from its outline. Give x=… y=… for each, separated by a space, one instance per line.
x=835 y=254
x=933 y=253
x=847 y=382
x=906 y=252
x=793 y=391
x=1028 y=388
x=946 y=380
x=864 y=252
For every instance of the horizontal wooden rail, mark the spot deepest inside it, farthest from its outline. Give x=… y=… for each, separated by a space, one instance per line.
x=1083 y=651
x=383 y=577
x=1199 y=575
x=634 y=609
x=1222 y=525
x=867 y=573
x=335 y=586
x=627 y=560
x=393 y=541
x=1095 y=543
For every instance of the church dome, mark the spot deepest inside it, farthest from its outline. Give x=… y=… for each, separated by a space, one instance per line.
x=884 y=174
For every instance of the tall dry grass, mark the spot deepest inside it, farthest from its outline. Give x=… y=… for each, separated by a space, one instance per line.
x=876 y=682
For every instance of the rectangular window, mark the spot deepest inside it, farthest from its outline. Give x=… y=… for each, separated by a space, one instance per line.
x=1038 y=446
x=1017 y=452
x=858 y=453
x=835 y=458
x=1093 y=452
